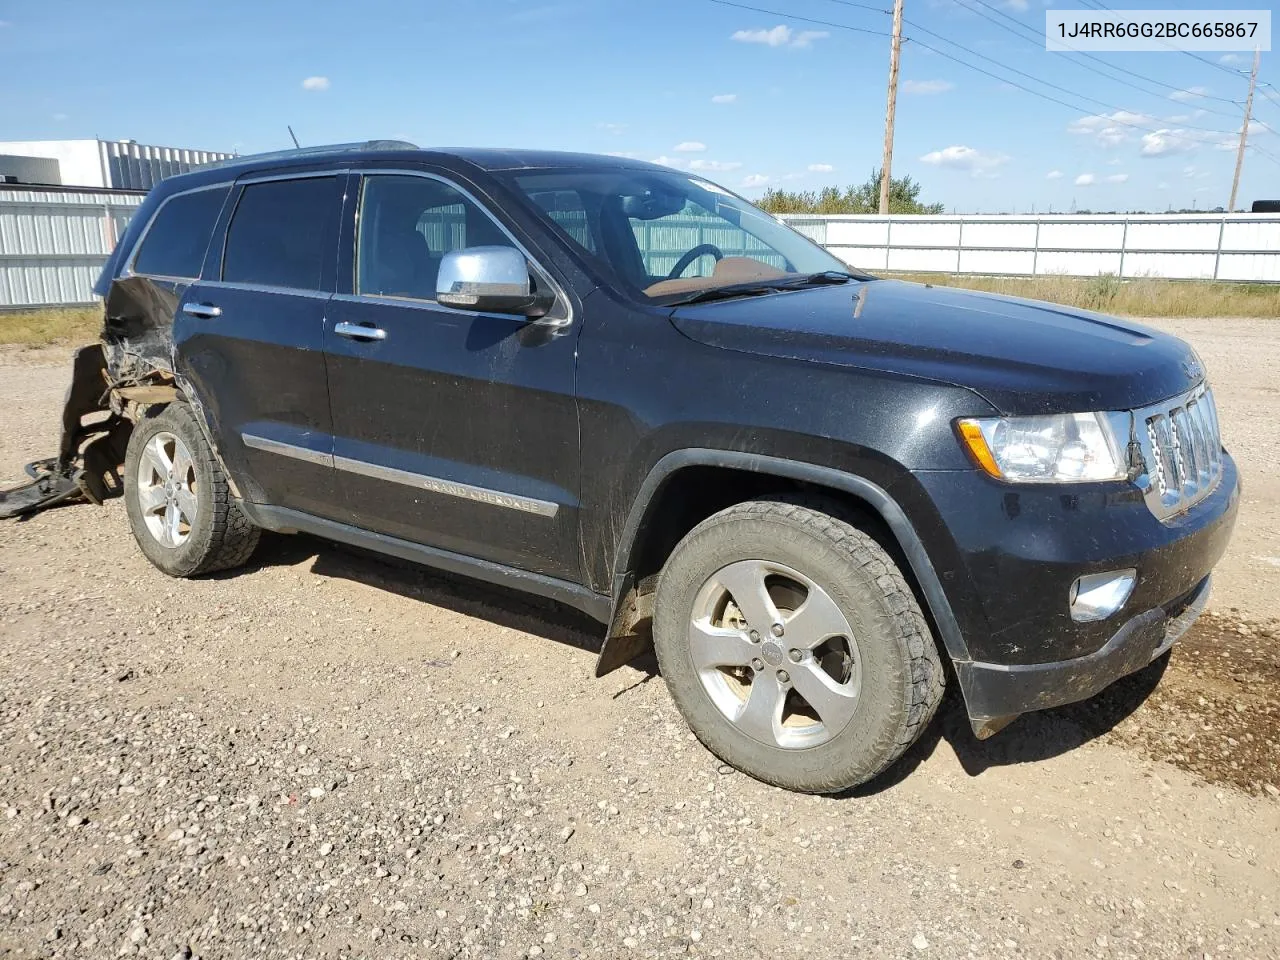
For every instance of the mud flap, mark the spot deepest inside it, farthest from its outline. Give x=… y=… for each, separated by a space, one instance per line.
x=630 y=634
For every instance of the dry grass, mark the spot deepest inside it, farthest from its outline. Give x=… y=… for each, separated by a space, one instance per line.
x=1145 y=297
x=38 y=328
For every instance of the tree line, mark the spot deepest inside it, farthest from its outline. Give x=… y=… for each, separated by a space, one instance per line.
x=904 y=197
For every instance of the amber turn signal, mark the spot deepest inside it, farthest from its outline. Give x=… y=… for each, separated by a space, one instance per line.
x=976 y=444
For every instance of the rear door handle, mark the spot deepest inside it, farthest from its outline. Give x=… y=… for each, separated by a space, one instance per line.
x=205 y=311
x=359 y=331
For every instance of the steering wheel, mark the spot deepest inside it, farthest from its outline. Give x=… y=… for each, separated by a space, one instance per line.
x=683 y=263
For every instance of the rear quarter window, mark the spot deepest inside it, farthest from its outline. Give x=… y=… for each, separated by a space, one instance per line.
x=178 y=237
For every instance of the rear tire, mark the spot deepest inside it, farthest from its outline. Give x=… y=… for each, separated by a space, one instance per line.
x=180 y=508
x=842 y=675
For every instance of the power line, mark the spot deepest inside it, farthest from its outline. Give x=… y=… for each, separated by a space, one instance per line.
x=792 y=16
x=1022 y=73
x=1269 y=94
x=1098 y=5
x=1147 y=127
x=1266 y=153
x=1033 y=37
x=1054 y=86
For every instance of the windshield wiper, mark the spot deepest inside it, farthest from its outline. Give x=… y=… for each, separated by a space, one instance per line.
x=758 y=288
x=817 y=279
x=725 y=293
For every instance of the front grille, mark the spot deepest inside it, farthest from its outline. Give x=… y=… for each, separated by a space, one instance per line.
x=1182 y=451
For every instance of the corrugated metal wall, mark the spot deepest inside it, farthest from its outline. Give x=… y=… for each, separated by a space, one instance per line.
x=136 y=166
x=1177 y=247
x=54 y=243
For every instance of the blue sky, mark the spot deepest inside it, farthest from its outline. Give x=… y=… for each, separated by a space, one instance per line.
x=748 y=98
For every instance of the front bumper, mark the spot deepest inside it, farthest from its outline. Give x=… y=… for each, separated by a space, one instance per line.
x=996 y=693
x=1011 y=557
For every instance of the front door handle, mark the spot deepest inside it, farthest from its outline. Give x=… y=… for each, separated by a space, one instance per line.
x=205 y=311
x=359 y=331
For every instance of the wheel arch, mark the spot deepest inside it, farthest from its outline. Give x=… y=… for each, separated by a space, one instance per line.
x=643 y=538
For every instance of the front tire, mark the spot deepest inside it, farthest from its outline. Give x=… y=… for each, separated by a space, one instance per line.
x=793 y=646
x=180 y=508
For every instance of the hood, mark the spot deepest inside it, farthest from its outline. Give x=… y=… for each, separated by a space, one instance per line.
x=1023 y=356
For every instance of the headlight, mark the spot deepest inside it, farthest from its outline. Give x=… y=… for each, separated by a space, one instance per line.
x=1064 y=448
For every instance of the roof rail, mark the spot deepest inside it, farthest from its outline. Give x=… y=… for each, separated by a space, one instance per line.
x=317 y=151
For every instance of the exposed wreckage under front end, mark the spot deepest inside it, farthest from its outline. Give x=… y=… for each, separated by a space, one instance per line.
x=113 y=383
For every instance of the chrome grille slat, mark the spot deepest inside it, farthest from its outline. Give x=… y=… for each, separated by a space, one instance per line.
x=1204 y=451
x=1182 y=451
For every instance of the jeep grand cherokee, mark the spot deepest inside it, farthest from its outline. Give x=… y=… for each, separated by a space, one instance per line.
x=820 y=494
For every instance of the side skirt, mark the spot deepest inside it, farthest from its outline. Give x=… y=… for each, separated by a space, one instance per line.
x=283 y=520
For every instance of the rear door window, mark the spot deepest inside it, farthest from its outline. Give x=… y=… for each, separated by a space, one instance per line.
x=178 y=238
x=281 y=233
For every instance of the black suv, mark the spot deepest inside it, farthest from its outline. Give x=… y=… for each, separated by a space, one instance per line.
x=627 y=389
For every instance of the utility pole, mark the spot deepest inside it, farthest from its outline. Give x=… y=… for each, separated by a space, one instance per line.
x=1244 y=131
x=894 y=51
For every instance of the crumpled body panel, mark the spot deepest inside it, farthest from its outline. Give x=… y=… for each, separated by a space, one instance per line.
x=129 y=368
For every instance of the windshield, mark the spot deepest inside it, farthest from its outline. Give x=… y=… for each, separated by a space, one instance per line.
x=671 y=237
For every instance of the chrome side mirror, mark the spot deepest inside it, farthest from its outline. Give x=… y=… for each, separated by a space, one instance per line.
x=489 y=280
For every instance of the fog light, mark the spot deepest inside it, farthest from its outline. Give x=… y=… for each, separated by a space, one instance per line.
x=1099 y=595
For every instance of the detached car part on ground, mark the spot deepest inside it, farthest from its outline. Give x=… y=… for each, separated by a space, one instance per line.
x=817 y=494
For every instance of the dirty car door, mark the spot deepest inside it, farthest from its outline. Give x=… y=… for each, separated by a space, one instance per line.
x=248 y=337
x=451 y=428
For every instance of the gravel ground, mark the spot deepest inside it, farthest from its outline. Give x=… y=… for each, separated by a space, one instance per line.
x=328 y=755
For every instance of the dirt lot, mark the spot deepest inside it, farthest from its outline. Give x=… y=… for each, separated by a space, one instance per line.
x=331 y=756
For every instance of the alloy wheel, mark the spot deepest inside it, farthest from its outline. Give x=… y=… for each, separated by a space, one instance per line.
x=775 y=653
x=167 y=491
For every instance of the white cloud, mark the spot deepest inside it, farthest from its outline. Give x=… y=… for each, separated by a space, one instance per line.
x=926 y=87
x=725 y=98
x=805 y=37
x=1118 y=178
x=780 y=36
x=1109 y=129
x=666 y=161
x=1231 y=58
x=1166 y=143
x=821 y=168
x=621 y=154
x=614 y=128
x=1189 y=94
x=714 y=166
x=1053 y=175
x=315 y=83
x=1086 y=180
x=1114 y=162
x=959 y=157
x=755 y=180
x=690 y=146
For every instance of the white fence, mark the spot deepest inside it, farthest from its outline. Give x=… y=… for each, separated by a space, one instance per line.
x=1244 y=247
x=54 y=242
